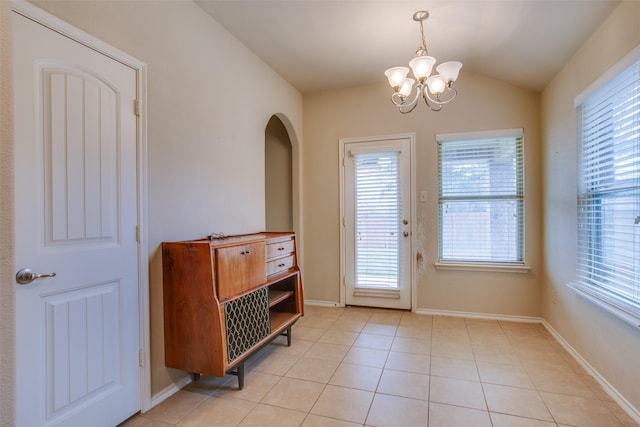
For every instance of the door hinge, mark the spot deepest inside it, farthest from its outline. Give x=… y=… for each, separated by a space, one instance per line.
x=140 y=358
x=136 y=107
x=138 y=233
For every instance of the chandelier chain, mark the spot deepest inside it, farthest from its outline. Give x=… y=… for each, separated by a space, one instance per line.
x=423 y=48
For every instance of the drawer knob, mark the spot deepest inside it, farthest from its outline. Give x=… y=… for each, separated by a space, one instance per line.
x=281 y=249
x=245 y=252
x=281 y=265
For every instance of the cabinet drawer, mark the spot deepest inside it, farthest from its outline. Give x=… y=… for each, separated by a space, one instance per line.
x=279 y=265
x=239 y=269
x=278 y=249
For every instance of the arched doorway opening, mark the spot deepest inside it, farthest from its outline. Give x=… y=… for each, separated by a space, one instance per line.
x=278 y=177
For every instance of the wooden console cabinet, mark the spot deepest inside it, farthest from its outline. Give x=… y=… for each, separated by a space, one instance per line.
x=226 y=297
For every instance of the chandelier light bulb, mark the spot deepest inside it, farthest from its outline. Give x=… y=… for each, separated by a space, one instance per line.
x=436 y=85
x=435 y=90
x=407 y=86
x=396 y=76
x=449 y=70
x=421 y=66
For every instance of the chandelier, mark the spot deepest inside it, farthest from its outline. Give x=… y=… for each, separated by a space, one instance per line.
x=435 y=90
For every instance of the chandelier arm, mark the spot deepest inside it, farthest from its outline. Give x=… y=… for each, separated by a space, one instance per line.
x=413 y=107
x=427 y=98
x=438 y=101
x=401 y=101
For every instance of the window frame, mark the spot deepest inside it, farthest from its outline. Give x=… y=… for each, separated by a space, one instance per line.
x=518 y=266
x=602 y=296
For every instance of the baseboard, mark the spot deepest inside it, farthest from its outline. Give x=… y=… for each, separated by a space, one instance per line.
x=170 y=390
x=482 y=316
x=321 y=303
x=608 y=388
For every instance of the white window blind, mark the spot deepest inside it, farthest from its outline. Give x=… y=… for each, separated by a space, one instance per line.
x=481 y=198
x=609 y=192
x=377 y=217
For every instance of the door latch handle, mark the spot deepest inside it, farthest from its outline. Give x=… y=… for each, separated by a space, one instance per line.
x=26 y=276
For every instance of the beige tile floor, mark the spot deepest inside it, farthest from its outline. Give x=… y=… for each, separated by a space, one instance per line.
x=373 y=367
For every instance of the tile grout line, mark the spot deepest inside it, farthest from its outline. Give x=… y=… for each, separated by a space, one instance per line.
x=475 y=363
x=430 y=372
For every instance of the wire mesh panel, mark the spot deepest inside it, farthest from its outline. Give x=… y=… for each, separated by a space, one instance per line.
x=247 y=322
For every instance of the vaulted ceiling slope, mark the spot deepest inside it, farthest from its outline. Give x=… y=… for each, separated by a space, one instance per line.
x=318 y=45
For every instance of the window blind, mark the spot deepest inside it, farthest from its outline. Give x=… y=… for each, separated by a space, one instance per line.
x=609 y=192
x=481 y=199
x=377 y=219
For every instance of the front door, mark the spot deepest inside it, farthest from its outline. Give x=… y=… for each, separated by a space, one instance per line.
x=77 y=328
x=377 y=222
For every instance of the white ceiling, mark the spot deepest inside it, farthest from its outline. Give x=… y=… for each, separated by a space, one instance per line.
x=318 y=44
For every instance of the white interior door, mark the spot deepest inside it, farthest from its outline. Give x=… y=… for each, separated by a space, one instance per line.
x=77 y=334
x=377 y=223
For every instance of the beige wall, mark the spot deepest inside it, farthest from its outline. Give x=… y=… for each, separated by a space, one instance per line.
x=482 y=104
x=206 y=126
x=7 y=284
x=611 y=346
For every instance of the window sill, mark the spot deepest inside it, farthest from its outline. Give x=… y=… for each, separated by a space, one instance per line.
x=606 y=304
x=500 y=268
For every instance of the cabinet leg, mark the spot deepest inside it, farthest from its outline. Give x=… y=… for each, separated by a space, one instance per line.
x=239 y=372
x=195 y=376
x=241 y=376
x=287 y=333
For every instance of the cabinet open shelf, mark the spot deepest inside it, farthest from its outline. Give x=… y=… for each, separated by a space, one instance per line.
x=278 y=296
x=278 y=277
x=278 y=319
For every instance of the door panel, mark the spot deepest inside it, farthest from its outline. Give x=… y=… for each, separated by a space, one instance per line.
x=377 y=222
x=80 y=149
x=77 y=337
x=87 y=321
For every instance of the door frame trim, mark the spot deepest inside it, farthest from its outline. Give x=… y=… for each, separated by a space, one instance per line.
x=412 y=192
x=44 y=18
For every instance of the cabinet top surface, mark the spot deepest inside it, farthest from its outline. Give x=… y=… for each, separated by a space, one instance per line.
x=244 y=239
